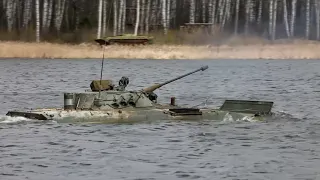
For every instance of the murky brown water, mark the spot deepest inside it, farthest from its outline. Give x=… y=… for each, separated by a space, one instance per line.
x=284 y=148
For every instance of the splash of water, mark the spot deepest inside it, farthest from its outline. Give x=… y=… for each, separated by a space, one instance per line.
x=14 y=120
x=287 y=115
x=228 y=118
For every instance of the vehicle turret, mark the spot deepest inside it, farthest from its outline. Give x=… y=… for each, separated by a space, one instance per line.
x=105 y=95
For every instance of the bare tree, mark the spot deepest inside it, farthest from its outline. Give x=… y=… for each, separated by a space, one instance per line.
x=104 y=17
x=26 y=12
x=285 y=17
x=38 y=21
x=210 y=11
x=142 y=16
x=59 y=13
x=10 y=11
x=49 y=14
x=192 y=11
x=147 y=17
x=168 y=16
x=227 y=6
x=259 y=12
x=246 y=25
x=115 y=17
x=251 y=11
x=203 y=10
x=44 y=14
x=274 y=23
x=99 y=19
x=222 y=11
x=154 y=11
x=237 y=17
x=124 y=13
x=120 y=16
x=307 y=18
x=317 y=6
x=270 y=18
x=164 y=16
x=137 y=18
x=293 y=16
x=213 y=13
x=173 y=12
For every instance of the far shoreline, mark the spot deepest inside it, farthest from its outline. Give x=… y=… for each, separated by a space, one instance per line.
x=136 y=59
x=50 y=51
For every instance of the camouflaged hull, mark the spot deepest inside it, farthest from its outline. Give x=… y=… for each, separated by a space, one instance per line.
x=126 y=106
x=133 y=115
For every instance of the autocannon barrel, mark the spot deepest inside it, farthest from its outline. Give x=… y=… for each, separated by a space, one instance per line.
x=156 y=86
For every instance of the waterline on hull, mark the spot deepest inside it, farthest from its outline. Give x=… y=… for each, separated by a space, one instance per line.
x=116 y=116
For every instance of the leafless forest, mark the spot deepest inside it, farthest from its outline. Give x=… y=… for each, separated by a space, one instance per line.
x=79 y=20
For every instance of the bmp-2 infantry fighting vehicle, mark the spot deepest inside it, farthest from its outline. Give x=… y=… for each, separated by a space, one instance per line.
x=107 y=102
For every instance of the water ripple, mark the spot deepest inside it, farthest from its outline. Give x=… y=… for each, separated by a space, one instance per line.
x=285 y=147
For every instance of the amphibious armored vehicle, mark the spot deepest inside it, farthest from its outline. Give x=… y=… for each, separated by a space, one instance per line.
x=126 y=39
x=107 y=102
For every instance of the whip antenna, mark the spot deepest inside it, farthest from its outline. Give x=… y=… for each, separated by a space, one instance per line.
x=102 y=62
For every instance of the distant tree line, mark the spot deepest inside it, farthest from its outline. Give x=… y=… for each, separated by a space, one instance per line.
x=268 y=18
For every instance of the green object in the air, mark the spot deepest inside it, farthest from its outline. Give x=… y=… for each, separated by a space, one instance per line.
x=130 y=38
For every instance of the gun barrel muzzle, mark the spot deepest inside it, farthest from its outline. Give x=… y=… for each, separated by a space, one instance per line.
x=204 y=67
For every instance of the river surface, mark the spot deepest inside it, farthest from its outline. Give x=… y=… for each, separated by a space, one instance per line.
x=286 y=147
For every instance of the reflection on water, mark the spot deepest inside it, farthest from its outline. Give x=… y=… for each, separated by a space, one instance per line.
x=285 y=148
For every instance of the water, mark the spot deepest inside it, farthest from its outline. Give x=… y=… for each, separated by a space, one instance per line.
x=284 y=148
